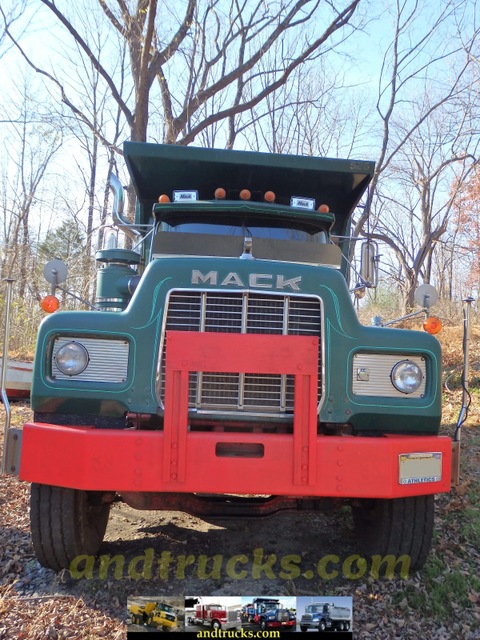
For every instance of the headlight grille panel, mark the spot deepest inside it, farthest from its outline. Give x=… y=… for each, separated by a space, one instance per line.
x=108 y=360
x=372 y=375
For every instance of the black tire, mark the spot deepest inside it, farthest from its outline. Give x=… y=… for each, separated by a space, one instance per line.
x=321 y=625
x=400 y=526
x=216 y=624
x=303 y=629
x=65 y=523
x=263 y=625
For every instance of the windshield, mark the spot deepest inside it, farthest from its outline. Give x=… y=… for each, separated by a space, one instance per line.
x=316 y=608
x=276 y=230
x=165 y=607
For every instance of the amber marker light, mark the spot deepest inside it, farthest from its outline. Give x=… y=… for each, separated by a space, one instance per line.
x=432 y=325
x=324 y=208
x=220 y=193
x=163 y=198
x=245 y=194
x=269 y=196
x=49 y=304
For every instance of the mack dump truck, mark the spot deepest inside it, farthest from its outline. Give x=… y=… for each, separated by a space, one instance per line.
x=325 y=615
x=225 y=358
x=269 y=613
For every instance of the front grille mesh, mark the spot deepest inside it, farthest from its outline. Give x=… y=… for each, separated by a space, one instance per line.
x=241 y=312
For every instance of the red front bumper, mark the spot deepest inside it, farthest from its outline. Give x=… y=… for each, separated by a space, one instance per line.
x=177 y=460
x=114 y=460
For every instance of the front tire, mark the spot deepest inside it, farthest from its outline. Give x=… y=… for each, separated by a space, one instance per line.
x=399 y=526
x=66 y=523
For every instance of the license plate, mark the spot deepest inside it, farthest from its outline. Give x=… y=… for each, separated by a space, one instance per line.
x=418 y=468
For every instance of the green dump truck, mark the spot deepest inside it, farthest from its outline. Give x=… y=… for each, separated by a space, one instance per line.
x=225 y=356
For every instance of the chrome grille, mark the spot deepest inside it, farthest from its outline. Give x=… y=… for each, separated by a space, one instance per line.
x=240 y=312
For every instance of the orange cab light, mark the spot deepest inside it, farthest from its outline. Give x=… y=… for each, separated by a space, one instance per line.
x=220 y=193
x=245 y=194
x=432 y=325
x=163 y=198
x=269 y=196
x=49 y=304
x=324 y=208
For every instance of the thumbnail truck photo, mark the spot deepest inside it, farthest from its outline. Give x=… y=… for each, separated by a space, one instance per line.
x=323 y=616
x=154 y=614
x=269 y=613
x=223 y=369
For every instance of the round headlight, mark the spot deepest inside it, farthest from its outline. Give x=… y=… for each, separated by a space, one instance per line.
x=72 y=358
x=406 y=376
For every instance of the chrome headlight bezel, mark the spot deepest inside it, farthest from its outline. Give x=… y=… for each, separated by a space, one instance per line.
x=406 y=376
x=72 y=358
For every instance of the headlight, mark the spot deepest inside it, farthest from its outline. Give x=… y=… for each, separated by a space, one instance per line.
x=406 y=376
x=72 y=358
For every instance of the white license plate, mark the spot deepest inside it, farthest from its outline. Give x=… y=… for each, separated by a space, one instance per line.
x=418 y=468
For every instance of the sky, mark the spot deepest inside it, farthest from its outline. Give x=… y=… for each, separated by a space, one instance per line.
x=339 y=601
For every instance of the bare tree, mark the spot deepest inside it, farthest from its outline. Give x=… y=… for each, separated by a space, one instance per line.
x=424 y=58
x=414 y=206
x=29 y=154
x=93 y=168
x=10 y=12
x=212 y=48
x=317 y=114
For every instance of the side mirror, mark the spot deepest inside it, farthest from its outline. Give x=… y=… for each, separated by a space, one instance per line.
x=426 y=296
x=55 y=272
x=369 y=263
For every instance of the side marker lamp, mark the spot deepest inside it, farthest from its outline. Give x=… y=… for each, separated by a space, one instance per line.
x=49 y=304
x=432 y=325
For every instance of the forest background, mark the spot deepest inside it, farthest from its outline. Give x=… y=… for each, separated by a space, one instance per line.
x=396 y=82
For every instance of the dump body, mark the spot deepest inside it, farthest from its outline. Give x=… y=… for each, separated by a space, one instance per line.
x=157 y=614
x=324 y=615
x=231 y=359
